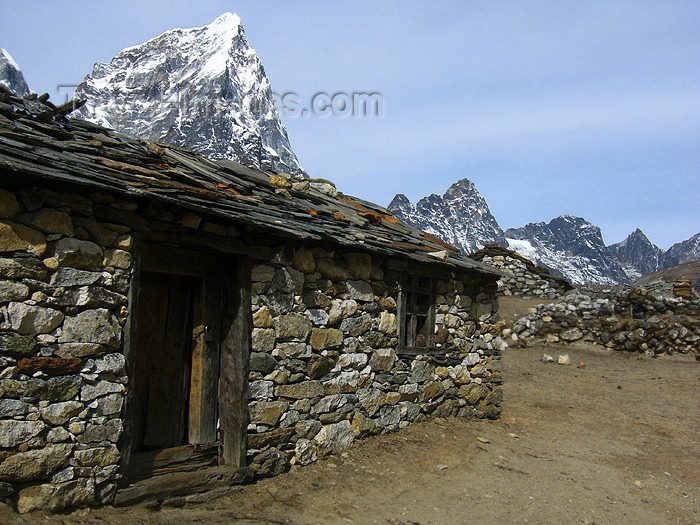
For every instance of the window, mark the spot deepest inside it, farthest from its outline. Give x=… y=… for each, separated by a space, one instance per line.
x=417 y=312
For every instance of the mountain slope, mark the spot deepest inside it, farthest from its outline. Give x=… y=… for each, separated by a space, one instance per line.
x=460 y=217
x=203 y=89
x=682 y=252
x=637 y=254
x=571 y=247
x=11 y=75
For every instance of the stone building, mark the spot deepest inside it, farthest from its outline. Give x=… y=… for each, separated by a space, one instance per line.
x=521 y=277
x=167 y=317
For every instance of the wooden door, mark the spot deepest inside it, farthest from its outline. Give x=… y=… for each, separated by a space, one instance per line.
x=163 y=360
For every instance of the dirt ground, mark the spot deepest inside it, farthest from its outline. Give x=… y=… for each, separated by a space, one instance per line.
x=615 y=442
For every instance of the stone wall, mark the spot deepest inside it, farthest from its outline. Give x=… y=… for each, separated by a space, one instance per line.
x=325 y=366
x=522 y=277
x=64 y=279
x=631 y=319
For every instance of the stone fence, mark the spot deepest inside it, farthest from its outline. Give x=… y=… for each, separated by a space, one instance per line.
x=631 y=319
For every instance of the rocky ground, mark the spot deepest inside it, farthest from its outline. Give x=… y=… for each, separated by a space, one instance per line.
x=614 y=442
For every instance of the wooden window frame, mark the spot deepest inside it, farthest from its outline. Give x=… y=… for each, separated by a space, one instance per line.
x=409 y=312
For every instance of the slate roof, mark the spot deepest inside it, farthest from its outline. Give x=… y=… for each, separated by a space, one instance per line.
x=39 y=141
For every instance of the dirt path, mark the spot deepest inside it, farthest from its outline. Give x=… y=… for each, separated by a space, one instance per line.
x=616 y=442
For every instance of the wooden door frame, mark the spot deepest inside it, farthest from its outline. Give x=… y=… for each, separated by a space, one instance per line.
x=223 y=346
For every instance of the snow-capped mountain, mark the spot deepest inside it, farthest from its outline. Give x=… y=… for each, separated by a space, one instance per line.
x=569 y=246
x=11 y=75
x=203 y=89
x=682 y=252
x=460 y=217
x=637 y=254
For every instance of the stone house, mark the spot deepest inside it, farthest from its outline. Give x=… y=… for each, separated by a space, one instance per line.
x=521 y=277
x=170 y=323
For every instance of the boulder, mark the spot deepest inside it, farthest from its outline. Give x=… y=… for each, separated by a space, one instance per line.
x=109 y=431
x=98 y=456
x=363 y=426
x=267 y=412
x=13 y=433
x=66 y=277
x=387 y=323
x=28 y=319
x=572 y=334
x=360 y=291
x=305 y=451
x=382 y=359
x=117 y=259
x=292 y=326
x=304 y=261
x=26 y=267
x=360 y=265
x=74 y=493
x=263 y=339
x=13 y=407
x=270 y=463
x=48 y=220
x=92 y=326
x=17 y=345
x=341 y=310
x=287 y=280
x=59 y=413
x=262 y=362
x=99 y=389
x=262 y=318
x=356 y=326
x=16 y=237
x=34 y=464
x=304 y=390
x=335 y=438
x=13 y=291
x=84 y=255
x=323 y=338
x=319 y=367
x=9 y=207
x=333 y=270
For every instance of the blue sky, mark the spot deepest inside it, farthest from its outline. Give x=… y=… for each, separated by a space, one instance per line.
x=585 y=108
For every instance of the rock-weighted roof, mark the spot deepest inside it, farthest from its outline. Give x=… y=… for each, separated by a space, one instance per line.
x=39 y=142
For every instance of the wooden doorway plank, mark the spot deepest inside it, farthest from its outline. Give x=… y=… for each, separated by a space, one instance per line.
x=205 y=362
x=235 y=353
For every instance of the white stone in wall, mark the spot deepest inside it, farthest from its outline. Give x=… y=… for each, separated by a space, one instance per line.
x=28 y=319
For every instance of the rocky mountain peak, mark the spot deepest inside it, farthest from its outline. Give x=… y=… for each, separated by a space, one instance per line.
x=460 y=216
x=11 y=76
x=203 y=89
x=637 y=254
x=460 y=188
x=683 y=252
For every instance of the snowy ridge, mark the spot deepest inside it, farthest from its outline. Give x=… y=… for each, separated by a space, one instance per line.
x=203 y=89
x=571 y=247
x=682 y=252
x=460 y=217
x=11 y=76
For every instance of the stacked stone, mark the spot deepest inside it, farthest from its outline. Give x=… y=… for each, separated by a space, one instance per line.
x=325 y=369
x=522 y=277
x=63 y=282
x=630 y=319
